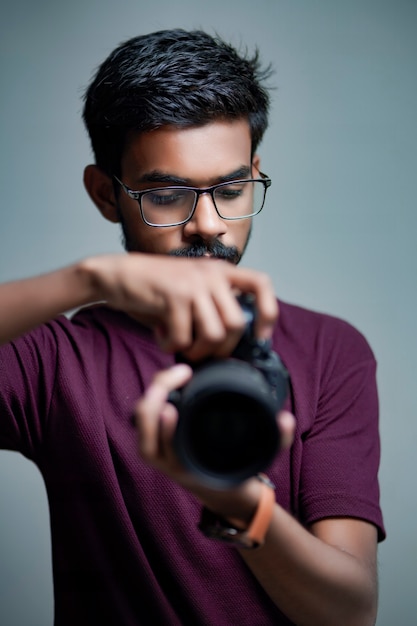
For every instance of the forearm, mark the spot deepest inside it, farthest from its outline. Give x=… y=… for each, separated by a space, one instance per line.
x=318 y=578
x=166 y=293
x=312 y=582
x=27 y=303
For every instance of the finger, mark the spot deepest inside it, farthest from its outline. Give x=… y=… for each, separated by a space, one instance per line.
x=168 y=424
x=286 y=425
x=168 y=379
x=233 y=319
x=175 y=333
x=218 y=325
x=151 y=406
x=260 y=285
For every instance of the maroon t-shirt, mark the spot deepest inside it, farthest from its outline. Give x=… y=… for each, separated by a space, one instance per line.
x=126 y=548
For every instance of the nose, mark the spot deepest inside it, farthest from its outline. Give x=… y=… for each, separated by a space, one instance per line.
x=205 y=222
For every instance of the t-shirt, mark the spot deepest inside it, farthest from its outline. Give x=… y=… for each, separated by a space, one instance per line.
x=125 y=544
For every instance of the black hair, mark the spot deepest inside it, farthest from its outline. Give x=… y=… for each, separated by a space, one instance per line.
x=172 y=77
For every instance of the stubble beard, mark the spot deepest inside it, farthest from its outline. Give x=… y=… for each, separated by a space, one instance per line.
x=198 y=248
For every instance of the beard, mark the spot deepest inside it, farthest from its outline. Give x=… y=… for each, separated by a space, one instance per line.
x=197 y=248
x=216 y=249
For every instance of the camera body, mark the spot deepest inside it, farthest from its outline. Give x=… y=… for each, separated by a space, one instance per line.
x=227 y=429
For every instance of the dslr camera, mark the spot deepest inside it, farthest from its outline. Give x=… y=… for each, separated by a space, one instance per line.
x=227 y=430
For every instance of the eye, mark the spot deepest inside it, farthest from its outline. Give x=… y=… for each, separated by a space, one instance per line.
x=230 y=192
x=166 y=197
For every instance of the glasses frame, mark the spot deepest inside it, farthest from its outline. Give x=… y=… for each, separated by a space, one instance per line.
x=199 y=191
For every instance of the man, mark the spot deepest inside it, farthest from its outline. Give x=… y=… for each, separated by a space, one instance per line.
x=175 y=120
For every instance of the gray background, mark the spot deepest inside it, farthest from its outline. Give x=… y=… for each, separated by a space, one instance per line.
x=338 y=233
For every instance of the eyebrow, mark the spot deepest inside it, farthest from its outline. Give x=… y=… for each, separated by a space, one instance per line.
x=157 y=176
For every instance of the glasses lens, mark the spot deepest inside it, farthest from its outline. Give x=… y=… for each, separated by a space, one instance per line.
x=240 y=199
x=162 y=207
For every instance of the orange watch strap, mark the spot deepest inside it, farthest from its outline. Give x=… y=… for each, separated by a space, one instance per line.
x=259 y=525
x=231 y=531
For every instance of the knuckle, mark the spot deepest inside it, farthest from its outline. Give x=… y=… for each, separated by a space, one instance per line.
x=178 y=340
x=216 y=335
x=236 y=324
x=210 y=333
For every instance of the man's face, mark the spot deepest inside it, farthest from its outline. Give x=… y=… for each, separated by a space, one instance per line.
x=198 y=157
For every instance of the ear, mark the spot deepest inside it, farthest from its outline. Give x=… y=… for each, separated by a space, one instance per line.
x=100 y=188
x=256 y=162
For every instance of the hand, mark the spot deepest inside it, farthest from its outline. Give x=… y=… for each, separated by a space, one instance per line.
x=190 y=303
x=156 y=421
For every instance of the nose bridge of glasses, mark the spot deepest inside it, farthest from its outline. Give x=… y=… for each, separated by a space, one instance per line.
x=208 y=201
x=205 y=215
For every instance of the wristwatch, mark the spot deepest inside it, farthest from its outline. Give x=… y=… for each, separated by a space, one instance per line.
x=253 y=536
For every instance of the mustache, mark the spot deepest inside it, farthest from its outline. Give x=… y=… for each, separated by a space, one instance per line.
x=215 y=248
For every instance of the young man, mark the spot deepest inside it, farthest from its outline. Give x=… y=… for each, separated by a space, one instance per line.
x=175 y=119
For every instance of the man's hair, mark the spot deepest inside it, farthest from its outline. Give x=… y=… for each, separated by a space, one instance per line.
x=172 y=77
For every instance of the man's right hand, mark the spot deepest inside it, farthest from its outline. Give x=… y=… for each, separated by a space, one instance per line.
x=190 y=303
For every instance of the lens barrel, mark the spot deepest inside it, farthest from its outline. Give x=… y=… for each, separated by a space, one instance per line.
x=227 y=430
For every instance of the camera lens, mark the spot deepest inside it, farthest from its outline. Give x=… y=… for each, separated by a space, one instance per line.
x=227 y=429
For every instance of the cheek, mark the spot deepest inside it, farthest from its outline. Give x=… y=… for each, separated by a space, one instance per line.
x=158 y=240
x=146 y=238
x=163 y=240
x=240 y=232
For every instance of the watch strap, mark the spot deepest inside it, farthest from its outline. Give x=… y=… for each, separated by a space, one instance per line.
x=253 y=536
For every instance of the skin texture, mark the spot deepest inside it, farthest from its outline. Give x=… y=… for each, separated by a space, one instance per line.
x=322 y=575
x=192 y=156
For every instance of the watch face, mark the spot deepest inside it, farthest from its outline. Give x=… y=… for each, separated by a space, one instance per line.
x=215 y=527
x=230 y=535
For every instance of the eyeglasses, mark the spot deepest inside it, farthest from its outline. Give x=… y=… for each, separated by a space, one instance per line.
x=173 y=206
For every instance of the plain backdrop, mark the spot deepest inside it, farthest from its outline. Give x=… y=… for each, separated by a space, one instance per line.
x=338 y=233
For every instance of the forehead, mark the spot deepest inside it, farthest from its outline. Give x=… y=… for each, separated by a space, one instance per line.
x=198 y=153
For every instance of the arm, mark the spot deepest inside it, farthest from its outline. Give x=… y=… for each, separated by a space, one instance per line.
x=189 y=303
x=320 y=576
x=32 y=301
x=325 y=576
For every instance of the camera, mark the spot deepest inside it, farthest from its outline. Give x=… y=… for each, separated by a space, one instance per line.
x=227 y=430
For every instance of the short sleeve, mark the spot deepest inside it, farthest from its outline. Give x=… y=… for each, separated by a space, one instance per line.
x=27 y=373
x=341 y=450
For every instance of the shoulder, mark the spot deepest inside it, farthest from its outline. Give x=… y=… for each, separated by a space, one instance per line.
x=325 y=356
x=306 y=333
x=91 y=331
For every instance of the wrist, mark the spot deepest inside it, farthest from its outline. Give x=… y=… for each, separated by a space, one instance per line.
x=88 y=273
x=238 y=503
x=241 y=530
